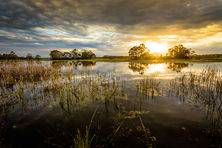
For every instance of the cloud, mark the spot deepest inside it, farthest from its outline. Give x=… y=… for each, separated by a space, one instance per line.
x=106 y=25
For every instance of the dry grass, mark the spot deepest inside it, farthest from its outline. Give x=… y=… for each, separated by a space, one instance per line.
x=12 y=72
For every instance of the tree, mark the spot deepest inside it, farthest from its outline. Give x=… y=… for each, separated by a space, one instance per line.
x=137 y=52
x=37 y=57
x=56 y=55
x=29 y=56
x=88 y=54
x=76 y=54
x=180 y=52
x=11 y=55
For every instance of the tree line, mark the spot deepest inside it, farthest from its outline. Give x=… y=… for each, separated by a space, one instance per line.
x=13 y=56
x=54 y=54
x=135 y=53
x=176 y=52
x=74 y=54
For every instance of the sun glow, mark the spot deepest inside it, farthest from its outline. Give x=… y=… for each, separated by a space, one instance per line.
x=156 y=68
x=156 y=47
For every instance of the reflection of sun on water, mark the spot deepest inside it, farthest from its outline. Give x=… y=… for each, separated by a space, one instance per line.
x=155 y=47
x=156 y=68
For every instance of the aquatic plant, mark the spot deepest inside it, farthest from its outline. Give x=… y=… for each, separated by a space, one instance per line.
x=84 y=141
x=148 y=87
x=204 y=91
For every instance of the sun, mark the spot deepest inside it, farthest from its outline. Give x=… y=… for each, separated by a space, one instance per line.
x=157 y=48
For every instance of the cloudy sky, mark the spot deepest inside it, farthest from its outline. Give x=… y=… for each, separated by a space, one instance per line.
x=109 y=27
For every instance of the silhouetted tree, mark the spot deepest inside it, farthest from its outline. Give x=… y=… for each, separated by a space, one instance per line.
x=37 y=57
x=88 y=54
x=56 y=55
x=29 y=56
x=138 y=52
x=180 y=52
x=11 y=55
x=76 y=54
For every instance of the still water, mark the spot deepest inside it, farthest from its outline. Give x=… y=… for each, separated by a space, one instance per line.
x=125 y=115
x=136 y=70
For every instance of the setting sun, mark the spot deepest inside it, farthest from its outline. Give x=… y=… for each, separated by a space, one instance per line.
x=156 y=47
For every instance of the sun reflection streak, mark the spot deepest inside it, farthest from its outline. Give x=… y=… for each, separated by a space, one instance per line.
x=156 y=68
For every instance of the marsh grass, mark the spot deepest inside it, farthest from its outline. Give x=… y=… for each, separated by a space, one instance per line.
x=130 y=123
x=203 y=91
x=13 y=72
x=84 y=141
x=149 y=87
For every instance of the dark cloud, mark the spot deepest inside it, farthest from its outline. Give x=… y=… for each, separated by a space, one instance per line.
x=26 y=13
x=20 y=18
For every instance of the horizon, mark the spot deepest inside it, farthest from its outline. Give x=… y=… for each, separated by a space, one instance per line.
x=110 y=27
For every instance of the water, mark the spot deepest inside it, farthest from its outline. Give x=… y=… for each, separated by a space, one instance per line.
x=137 y=70
x=169 y=121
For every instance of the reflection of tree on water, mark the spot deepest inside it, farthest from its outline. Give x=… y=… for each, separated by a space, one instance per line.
x=59 y=64
x=138 y=67
x=88 y=63
x=177 y=67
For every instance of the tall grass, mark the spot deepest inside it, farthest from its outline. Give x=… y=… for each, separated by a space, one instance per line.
x=84 y=141
x=203 y=90
x=12 y=72
x=149 y=87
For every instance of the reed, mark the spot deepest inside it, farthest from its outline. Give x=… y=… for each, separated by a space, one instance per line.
x=203 y=90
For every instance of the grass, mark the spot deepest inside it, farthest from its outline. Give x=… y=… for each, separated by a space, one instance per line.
x=12 y=72
x=149 y=87
x=84 y=141
x=203 y=90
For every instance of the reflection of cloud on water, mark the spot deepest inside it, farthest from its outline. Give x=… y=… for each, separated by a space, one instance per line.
x=198 y=67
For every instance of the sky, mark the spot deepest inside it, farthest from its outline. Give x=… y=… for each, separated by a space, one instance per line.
x=109 y=27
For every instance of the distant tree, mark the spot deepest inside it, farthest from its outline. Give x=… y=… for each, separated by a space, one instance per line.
x=76 y=54
x=67 y=55
x=88 y=54
x=11 y=55
x=29 y=56
x=56 y=55
x=180 y=52
x=37 y=57
x=137 y=52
